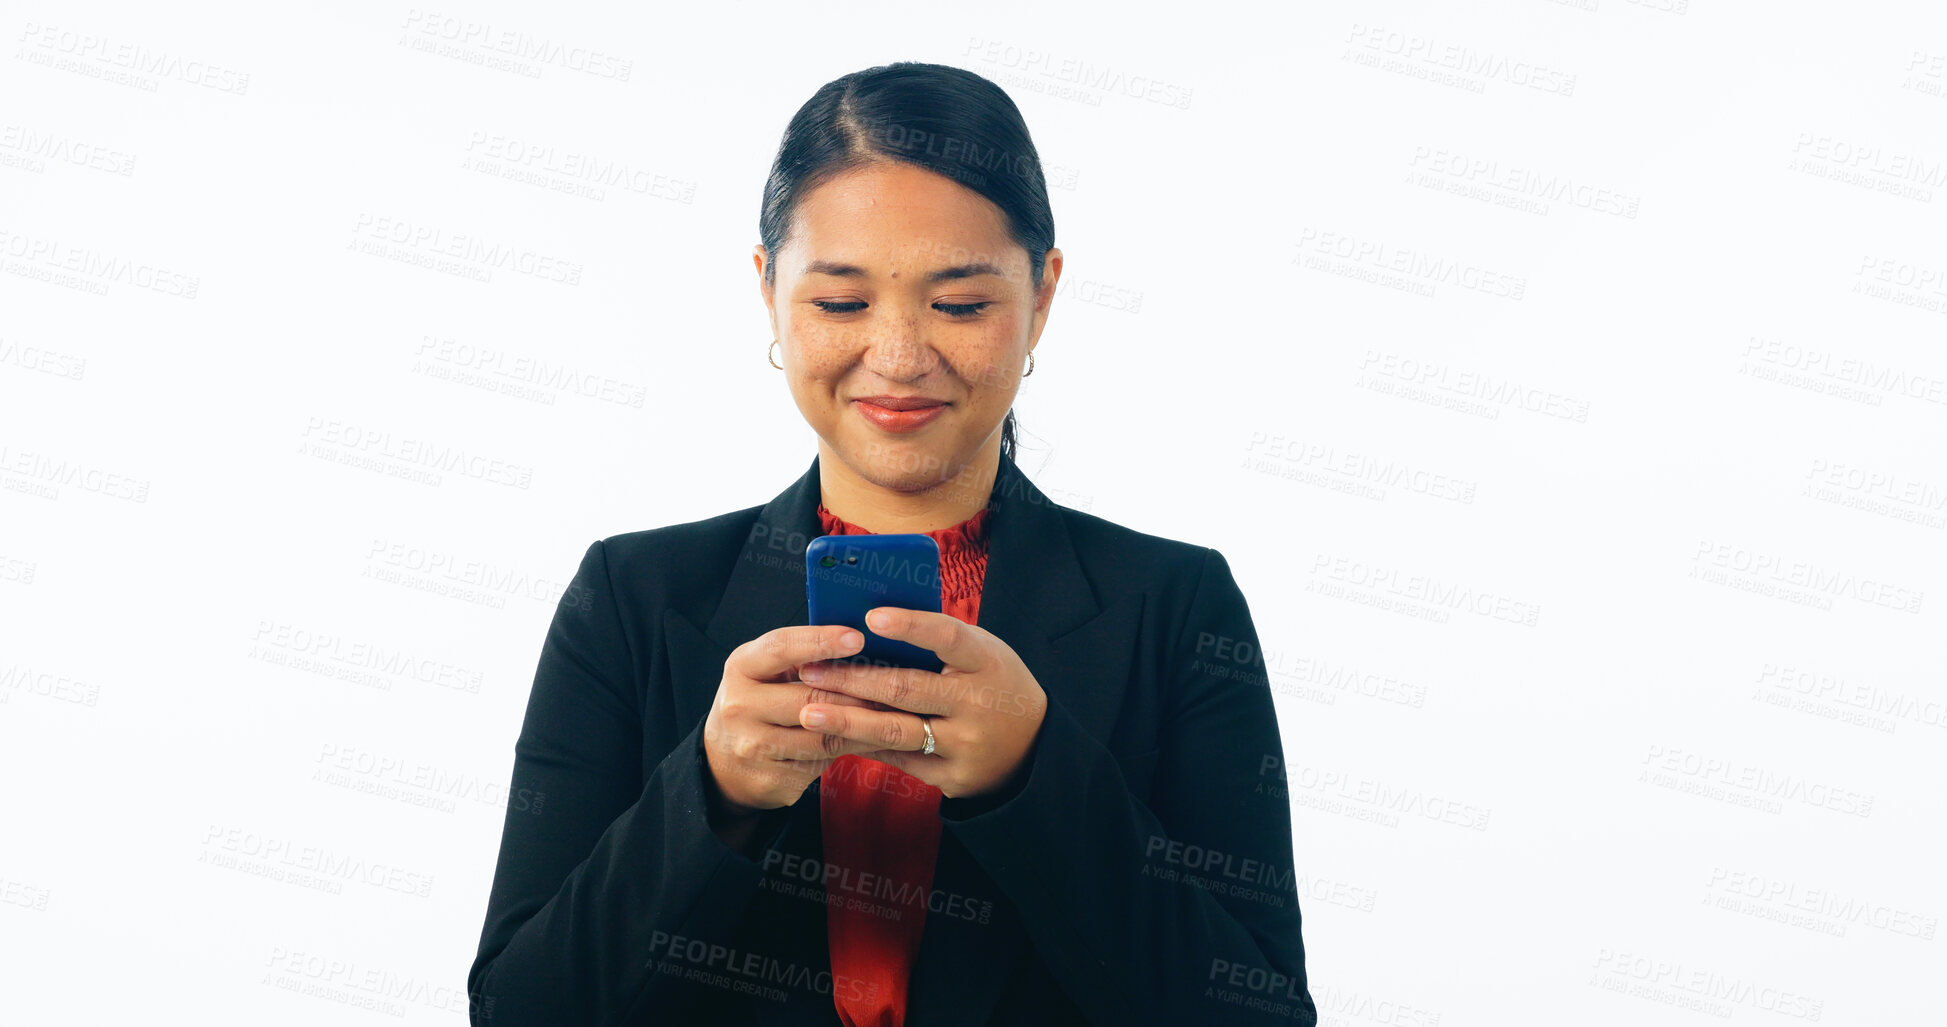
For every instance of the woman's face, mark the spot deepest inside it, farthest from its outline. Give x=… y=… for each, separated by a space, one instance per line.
x=898 y=282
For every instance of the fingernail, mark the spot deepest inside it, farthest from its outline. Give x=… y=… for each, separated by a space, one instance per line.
x=811 y=672
x=851 y=640
x=876 y=620
x=815 y=718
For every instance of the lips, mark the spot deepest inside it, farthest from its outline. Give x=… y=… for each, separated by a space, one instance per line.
x=899 y=414
x=901 y=402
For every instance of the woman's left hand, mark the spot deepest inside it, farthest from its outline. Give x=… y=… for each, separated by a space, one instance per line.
x=984 y=705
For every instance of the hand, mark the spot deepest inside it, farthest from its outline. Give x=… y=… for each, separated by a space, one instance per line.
x=986 y=707
x=757 y=755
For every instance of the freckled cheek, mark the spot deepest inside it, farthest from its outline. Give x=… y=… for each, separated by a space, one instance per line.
x=990 y=363
x=822 y=352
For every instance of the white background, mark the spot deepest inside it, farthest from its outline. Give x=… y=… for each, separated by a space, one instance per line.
x=1563 y=382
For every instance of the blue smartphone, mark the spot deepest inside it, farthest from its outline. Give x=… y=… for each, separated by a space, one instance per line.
x=846 y=575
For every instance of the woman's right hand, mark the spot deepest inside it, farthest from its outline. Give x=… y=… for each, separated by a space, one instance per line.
x=758 y=754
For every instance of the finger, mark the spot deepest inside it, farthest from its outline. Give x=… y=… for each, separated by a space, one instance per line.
x=813 y=694
x=780 y=706
x=799 y=746
x=776 y=654
x=815 y=689
x=953 y=640
x=866 y=729
x=901 y=688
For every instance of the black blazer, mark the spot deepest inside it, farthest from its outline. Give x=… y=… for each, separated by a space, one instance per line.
x=1141 y=874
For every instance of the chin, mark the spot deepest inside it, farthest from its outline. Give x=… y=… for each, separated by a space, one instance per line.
x=904 y=465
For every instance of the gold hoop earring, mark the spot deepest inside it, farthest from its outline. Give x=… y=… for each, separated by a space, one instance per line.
x=773 y=360
x=1030 y=369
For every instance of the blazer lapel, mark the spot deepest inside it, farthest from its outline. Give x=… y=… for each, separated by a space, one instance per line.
x=1035 y=598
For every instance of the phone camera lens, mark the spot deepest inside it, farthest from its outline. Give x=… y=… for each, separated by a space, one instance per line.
x=826 y=561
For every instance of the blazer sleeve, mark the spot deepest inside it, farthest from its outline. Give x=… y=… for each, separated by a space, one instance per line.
x=1183 y=909
x=600 y=872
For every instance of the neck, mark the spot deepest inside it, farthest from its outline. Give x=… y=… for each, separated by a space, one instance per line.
x=930 y=506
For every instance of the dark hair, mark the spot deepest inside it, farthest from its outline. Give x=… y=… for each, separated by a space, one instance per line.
x=947 y=120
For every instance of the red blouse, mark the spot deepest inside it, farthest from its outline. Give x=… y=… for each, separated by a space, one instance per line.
x=881 y=827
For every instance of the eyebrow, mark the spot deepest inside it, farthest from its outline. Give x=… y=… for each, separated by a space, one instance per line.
x=841 y=270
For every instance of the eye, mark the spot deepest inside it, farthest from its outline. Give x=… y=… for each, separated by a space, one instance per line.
x=950 y=309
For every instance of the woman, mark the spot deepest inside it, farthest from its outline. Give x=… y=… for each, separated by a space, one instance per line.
x=1079 y=820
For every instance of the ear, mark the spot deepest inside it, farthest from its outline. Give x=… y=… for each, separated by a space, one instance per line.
x=1045 y=298
x=760 y=257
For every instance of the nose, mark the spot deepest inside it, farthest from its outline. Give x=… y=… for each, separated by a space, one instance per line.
x=897 y=348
